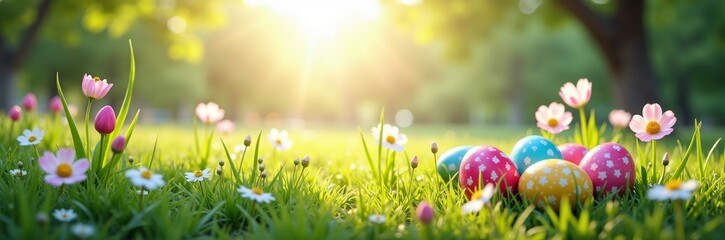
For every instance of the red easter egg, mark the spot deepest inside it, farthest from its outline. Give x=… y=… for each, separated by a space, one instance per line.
x=573 y=152
x=611 y=168
x=492 y=166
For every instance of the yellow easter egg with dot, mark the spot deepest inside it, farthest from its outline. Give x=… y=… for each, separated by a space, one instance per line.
x=547 y=182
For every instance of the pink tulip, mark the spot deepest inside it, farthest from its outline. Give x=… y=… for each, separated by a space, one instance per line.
x=619 y=118
x=225 y=126
x=424 y=212
x=118 y=144
x=653 y=124
x=576 y=96
x=63 y=168
x=553 y=118
x=15 y=113
x=209 y=113
x=30 y=102
x=105 y=120
x=94 y=88
x=55 y=106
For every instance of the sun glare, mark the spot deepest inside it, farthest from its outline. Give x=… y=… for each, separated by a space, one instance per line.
x=322 y=18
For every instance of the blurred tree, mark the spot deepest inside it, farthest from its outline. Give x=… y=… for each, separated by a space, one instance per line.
x=176 y=23
x=617 y=28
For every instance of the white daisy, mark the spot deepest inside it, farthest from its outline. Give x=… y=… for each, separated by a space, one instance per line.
x=64 y=215
x=280 y=139
x=18 y=172
x=31 y=137
x=392 y=138
x=145 y=178
x=673 y=190
x=142 y=193
x=377 y=218
x=198 y=175
x=255 y=194
x=478 y=199
x=83 y=230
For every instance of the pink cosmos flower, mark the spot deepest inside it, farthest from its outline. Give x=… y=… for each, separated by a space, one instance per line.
x=63 y=168
x=619 y=118
x=209 y=113
x=225 y=126
x=652 y=125
x=94 y=88
x=55 y=105
x=553 y=118
x=30 y=102
x=576 y=96
x=14 y=113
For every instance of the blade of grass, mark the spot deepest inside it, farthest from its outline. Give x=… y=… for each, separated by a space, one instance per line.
x=77 y=142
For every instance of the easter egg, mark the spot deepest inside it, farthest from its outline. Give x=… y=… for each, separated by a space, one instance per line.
x=610 y=167
x=549 y=181
x=449 y=162
x=573 y=152
x=532 y=149
x=485 y=164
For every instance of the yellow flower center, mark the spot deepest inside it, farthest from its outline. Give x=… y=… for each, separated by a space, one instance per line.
x=96 y=79
x=477 y=195
x=673 y=185
x=65 y=216
x=278 y=141
x=198 y=173
x=653 y=127
x=553 y=122
x=390 y=139
x=257 y=191
x=32 y=139
x=64 y=170
x=146 y=174
x=19 y=173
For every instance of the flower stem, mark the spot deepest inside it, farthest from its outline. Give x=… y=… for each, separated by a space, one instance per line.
x=88 y=117
x=241 y=161
x=680 y=222
x=583 y=123
x=60 y=192
x=435 y=163
x=37 y=154
x=140 y=203
x=654 y=159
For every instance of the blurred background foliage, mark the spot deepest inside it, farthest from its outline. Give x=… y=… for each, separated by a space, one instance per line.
x=457 y=61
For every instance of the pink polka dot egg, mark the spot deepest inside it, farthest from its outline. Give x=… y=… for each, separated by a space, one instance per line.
x=573 y=152
x=547 y=182
x=486 y=164
x=611 y=168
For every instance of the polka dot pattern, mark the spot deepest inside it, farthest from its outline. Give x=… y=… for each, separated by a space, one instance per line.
x=610 y=167
x=447 y=166
x=485 y=164
x=532 y=149
x=547 y=182
x=573 y=152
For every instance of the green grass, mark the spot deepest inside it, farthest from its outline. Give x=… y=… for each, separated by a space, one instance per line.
x=333 y=197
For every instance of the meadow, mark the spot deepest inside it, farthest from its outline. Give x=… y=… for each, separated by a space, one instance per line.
x=373 y=182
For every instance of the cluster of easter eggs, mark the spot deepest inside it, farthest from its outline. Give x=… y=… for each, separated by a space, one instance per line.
x=541 y=172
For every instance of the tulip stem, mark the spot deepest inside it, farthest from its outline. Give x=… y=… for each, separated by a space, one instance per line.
x=583 y=123
x=679 y=220
x=102 y=154
x=88 y=117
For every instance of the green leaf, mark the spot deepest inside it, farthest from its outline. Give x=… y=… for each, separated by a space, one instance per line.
x=77 y=142
x=120 y=120
x=231 y=161
x=686 y=156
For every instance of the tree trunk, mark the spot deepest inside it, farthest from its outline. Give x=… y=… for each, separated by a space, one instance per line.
x=7 y=86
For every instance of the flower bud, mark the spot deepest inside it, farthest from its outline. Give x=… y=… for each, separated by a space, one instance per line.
x=30 y=102
x=221 y=163
x=263 y=175
x=20 y=165
x=219 y=171
x=305 y=161
x=247 y=141
x=41 y=218
x=260 y=160
x=434 y=147
x=414 y=162
x=666 y=159
x=105 y=120
x=130 y=160
x=424 y=212
x=261 y=167
x=118 y=144
x=14 y=113
x=649 y=165
x=55 y=106
x=296 y=161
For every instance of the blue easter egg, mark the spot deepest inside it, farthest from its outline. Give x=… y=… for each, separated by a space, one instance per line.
x=450 y=162
x=532 y=149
